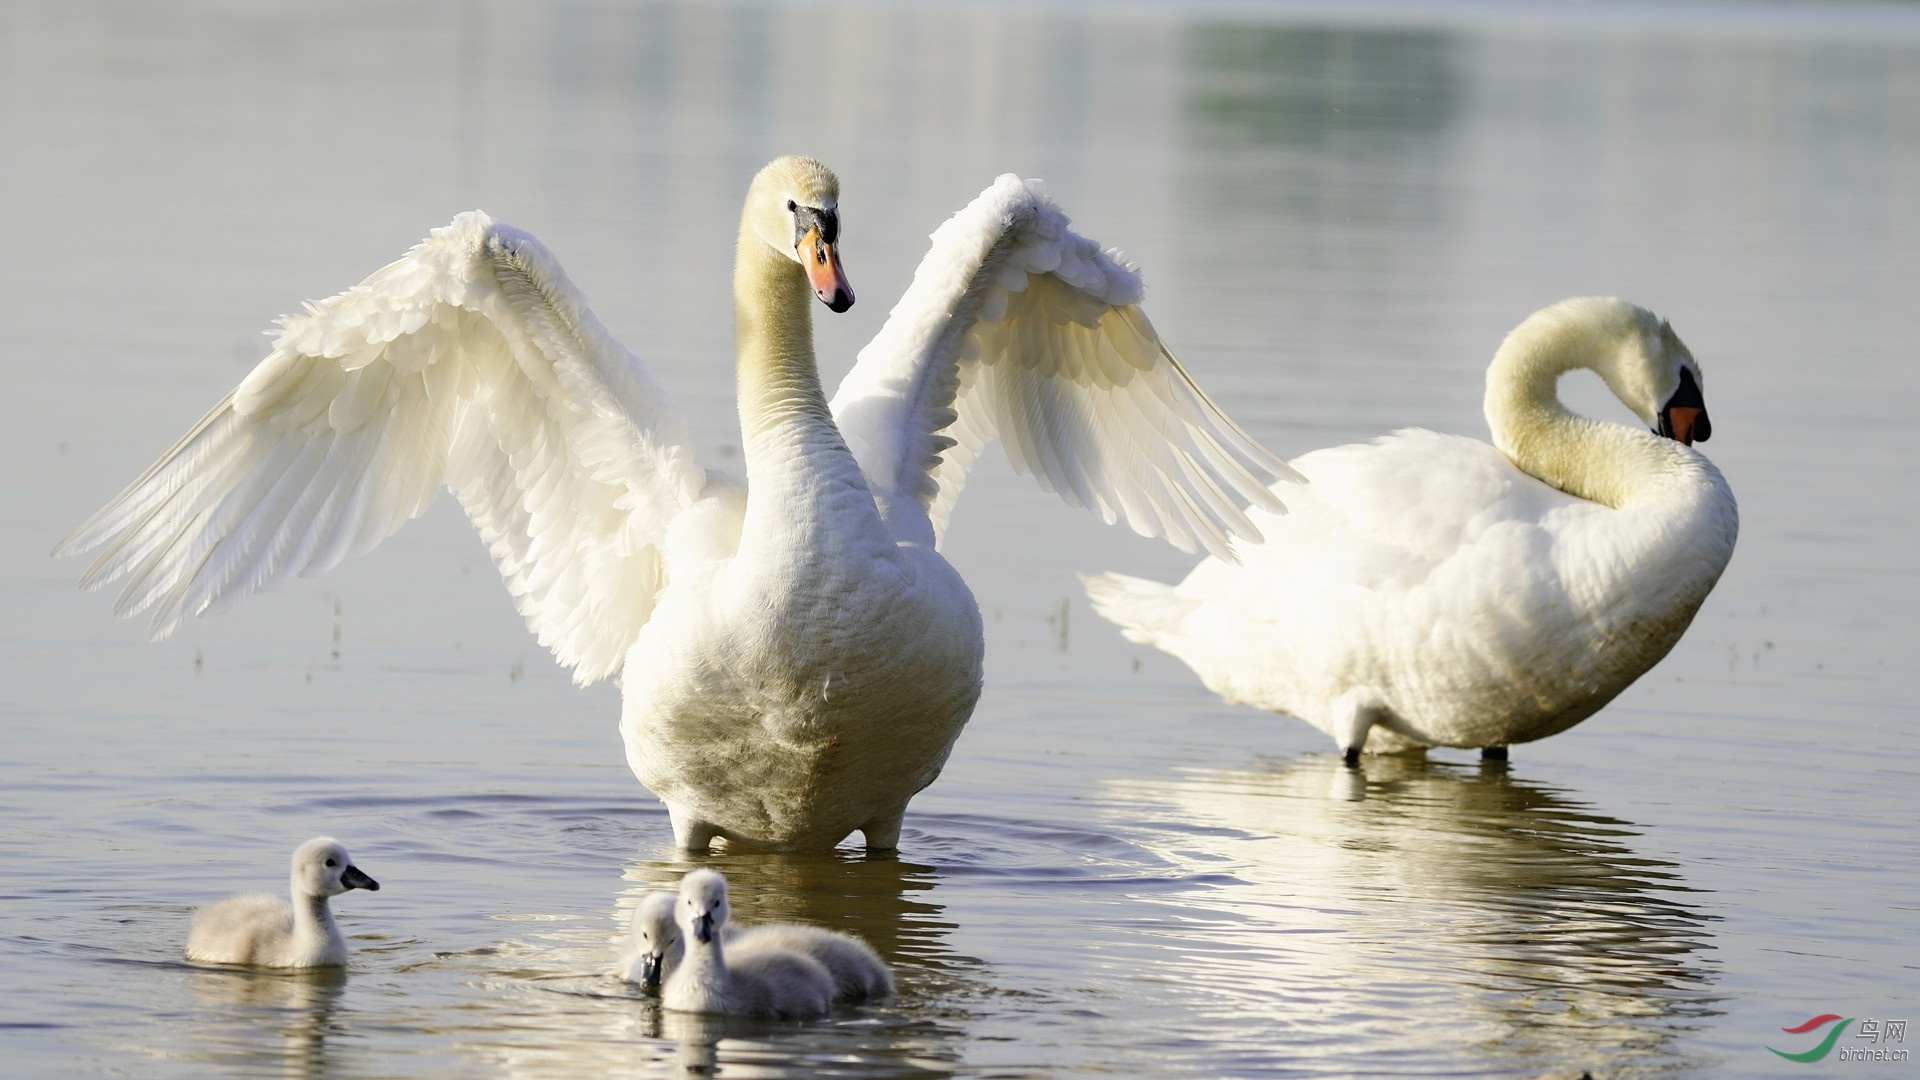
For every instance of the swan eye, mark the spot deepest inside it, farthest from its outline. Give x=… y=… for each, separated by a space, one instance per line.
x=333 y=862
x=792 y=206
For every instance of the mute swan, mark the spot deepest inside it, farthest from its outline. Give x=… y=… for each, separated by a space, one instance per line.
x=266 y=931
x=1432 y=590
x=796 y=657
x=654 y=948
x=760 y=980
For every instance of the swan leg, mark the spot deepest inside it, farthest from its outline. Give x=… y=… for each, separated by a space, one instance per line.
x=883 y=833
x=1493 y=753
x=1354 y=714
x=690 y=834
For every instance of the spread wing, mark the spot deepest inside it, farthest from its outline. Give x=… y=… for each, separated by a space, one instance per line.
x=1018 y=328
x=471 y=363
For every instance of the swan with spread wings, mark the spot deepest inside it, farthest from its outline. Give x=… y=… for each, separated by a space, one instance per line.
x=796 y=657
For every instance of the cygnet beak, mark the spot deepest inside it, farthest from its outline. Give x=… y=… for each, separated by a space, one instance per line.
x=353 y=878
x=703 y=927
x=650 y=967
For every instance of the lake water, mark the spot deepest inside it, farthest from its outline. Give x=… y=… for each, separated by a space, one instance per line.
x=1338 y=211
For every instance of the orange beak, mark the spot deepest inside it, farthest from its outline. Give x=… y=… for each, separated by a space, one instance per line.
x=1684 y=417
x=822 y=261
x=1681 y=421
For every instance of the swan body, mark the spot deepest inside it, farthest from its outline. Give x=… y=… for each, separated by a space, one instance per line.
x=655 y=946
x=266 y=931
x=796 y=657
x=1433 y=590
x=760 y=979
x=858 y=972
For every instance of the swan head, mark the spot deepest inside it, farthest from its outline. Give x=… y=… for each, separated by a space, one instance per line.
x=702 y=910
x=654 y=935
x=793 y=206
x=1643 y=361
x=322 y=867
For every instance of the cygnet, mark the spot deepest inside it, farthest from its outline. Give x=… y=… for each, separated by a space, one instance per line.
x=758 y=980
x=858 y=972
x=654 y=948
x=266 y=931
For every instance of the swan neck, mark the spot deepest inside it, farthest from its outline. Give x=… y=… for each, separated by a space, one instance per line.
x=703 y=969
x=779 y=382
x=1594 y=460
x=807 y=499
x=312 y=915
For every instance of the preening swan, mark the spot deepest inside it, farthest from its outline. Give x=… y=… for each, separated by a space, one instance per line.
x=758 y=980
x=796 y=658
x=266 y=931
x=1432 y=590
x=654 y=948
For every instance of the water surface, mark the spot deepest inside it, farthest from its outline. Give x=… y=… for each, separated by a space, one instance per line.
x=1338 y=215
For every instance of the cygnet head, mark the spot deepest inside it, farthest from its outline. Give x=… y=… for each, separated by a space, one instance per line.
x=793 y=206
x=322 y=867
x=654 y=935
x=1643 y=361
x=702 y=910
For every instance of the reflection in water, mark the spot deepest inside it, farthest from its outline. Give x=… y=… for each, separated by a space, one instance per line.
x=735 y=1046
x=1553 y=938
x=1309 y=135
x=1318 y=168
x=1307 y=85
x=244 y=1013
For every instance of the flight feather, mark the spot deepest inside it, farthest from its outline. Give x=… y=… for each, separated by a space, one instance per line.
x=1018 y=328
x=470 y=363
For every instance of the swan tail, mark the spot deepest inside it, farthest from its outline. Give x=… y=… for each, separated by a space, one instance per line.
x=1148 y=612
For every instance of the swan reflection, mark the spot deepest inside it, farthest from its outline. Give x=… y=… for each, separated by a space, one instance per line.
x=1466 y=900
x=880 y=900
x=260 y=1019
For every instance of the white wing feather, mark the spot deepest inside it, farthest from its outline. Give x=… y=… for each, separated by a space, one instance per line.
x=472 y=363
x=1017 y=327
